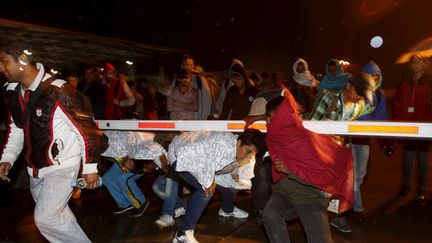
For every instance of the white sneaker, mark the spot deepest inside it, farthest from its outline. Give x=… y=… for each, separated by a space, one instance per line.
x=165 y=221
x=236 y=213
x=178 y=212
x=185 y=237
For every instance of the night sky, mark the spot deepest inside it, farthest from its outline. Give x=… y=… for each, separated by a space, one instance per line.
x=266 y=35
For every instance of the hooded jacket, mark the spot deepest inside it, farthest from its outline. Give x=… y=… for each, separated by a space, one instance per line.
x=305 y=78
x=334 y=82
x=377 y=110
x=236 y=105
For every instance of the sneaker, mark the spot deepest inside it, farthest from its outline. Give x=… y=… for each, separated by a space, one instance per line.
x=165 y=221
x=123 y=211
x=185 y=237
x=341 y=224
x=137 y=212
x=178 y=212
x=236 y=213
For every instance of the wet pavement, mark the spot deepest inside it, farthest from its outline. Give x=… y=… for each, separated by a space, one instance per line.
x=387 y=219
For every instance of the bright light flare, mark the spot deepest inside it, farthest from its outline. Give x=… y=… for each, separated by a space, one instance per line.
x=53 y=71
x=344 y=63
x=376 y=41
x=27 y=52
x=129 y=62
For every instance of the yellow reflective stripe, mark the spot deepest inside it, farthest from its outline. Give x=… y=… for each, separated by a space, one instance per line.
x=135 y=201
x=384 y=129
x=237 y=126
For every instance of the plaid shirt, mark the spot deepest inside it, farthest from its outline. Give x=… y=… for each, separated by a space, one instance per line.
x=323 y=111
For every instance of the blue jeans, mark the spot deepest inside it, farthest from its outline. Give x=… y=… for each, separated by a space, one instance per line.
x=123 y=188
x=360 y=158
x=166 y=189
x=196 y=203
x=228 y=196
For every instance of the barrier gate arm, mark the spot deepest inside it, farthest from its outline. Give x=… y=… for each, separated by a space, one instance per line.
x=353 y=128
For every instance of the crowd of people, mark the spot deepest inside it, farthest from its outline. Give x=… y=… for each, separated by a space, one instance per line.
x=53 y=124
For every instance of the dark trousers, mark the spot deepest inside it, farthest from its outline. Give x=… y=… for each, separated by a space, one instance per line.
x=262 y=183
x=421 y=149
x=289 y=200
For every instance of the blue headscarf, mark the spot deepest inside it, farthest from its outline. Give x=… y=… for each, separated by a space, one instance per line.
x=334 y=82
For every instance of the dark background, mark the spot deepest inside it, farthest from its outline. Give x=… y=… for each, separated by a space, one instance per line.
x=266 y=35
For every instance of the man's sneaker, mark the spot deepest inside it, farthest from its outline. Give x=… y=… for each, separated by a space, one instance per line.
x=123 y=211
x=165 y=221
x=341 y=224
x=185 y=237
x=137 y=212
x=178 y=212
x=236 y=213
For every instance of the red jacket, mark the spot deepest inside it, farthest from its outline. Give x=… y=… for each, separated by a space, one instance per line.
x=413 y=101
x=114 y=91
x=312 y=157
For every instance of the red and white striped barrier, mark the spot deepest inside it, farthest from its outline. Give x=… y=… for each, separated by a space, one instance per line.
x=356 y=128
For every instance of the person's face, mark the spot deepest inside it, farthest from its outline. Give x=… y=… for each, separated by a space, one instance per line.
x=10 y=67
x=332 y=68
x=238 y=81
x=353 y=96
x=417 y=65
x=188 y=65
x=110 y=75
x=99 y=74
x=72 y=80
x=300 y=68
x=244 y=153
x=89 y=75
x=376 y=78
